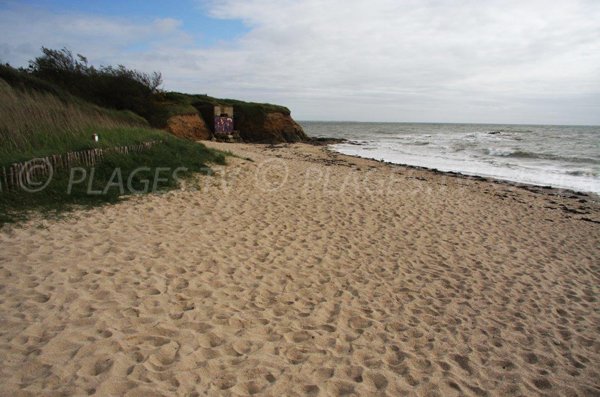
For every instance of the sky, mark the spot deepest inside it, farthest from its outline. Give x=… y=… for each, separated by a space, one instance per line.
x=478 y=61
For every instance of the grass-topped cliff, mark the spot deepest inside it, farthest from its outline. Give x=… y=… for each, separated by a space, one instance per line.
x=256 y=122
x=69 y=77
x=56 y=105
x=38 y=122
x=191 y=102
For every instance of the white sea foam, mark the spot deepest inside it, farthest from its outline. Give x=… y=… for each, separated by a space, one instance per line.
x=558 y=156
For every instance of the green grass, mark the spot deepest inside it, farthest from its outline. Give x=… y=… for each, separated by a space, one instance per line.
x=108 y=138
x=54 y=110
x=176 y=103
x=249 y=108
x=38 y=119
x=37 y=123
x=57 y=198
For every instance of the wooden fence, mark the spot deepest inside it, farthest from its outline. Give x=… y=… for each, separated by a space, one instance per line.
x=14 y=176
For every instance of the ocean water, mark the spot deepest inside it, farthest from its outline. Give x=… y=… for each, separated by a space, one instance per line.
x=545 y=155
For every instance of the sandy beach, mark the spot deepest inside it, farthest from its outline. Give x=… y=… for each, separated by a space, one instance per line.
x=297 y=271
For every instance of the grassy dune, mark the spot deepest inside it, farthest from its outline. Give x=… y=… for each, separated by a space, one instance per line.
x=36 y=123
x=39 y=122
x=119 y=175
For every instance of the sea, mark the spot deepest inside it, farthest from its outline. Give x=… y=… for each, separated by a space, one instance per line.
x=545 y=155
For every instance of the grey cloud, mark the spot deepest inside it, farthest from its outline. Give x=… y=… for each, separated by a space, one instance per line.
x=463 y=60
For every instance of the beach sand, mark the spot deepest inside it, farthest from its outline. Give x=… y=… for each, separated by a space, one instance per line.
x=297 y=271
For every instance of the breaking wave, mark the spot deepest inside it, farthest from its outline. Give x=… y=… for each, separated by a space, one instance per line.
x=560 y=156
x=515 y=153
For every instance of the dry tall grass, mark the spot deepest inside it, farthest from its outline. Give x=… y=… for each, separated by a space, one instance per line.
x=32 y=119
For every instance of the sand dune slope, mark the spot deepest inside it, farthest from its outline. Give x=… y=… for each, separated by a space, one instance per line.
x=306 y=273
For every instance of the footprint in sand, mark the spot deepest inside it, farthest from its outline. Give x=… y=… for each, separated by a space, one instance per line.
x=324 y=373
x=328 y=328
x=210 y=340
x=166 y=355
x=224 y=381
x=41 y=298
x=376 y=380
x=359 y=322
x=298 y=337
x=180 y=285
x=296 y=355
x=311 y=390
x=101 y=366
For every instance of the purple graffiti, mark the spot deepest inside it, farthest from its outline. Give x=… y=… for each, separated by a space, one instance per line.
x=223 y=125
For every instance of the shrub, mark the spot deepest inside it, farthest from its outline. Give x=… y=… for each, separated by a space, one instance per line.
x=107 y=86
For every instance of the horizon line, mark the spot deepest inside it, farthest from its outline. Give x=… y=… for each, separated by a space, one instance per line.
x=444 y=122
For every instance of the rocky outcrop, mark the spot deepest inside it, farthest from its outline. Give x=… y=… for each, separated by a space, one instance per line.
x=271 y=127
x=190 y=126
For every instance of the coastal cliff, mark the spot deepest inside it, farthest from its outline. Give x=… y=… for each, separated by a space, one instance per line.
x=137 y=96
x=256 y=122
x=271 y=127
x=190 y=126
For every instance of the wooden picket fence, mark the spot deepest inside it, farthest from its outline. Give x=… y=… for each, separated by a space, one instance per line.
x=11 y=177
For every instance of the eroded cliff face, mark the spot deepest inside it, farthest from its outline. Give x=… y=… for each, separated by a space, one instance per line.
x=190 y=126
x=254 y=125
x=272 y=127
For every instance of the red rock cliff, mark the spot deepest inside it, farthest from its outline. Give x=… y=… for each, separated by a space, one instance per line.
x=271 y=127
x=190 y=126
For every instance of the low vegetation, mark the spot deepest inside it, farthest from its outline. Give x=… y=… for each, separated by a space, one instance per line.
x=55 y=106
x=196 y=101
x=59 y=101
x=121 y=88
x=204 y=105
x=107 y=86
x=156 y=169
x=38 y=123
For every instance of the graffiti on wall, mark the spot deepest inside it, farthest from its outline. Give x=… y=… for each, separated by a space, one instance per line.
x=223 y=125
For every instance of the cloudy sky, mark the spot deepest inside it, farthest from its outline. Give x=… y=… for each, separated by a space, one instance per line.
x=521 y=61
